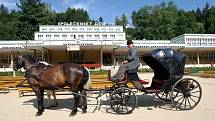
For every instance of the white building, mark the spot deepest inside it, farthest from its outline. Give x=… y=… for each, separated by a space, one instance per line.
x=74 y=32
x=85 y=43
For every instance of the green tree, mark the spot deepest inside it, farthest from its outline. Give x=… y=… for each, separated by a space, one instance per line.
x=122 y=21
x=117 y=21
x=206 y=13
x=7 y=23
x=101 y=19
x=77 y=15
x=32 y=14
x=3 y=9
x=155 y=22
x=210 y=21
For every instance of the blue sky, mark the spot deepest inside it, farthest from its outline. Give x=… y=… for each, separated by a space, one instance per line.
x=108 y=9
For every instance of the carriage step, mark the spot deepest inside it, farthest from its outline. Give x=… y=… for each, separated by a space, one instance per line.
x=153 y=90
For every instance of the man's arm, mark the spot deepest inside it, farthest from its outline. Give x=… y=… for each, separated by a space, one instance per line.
x=133 y=55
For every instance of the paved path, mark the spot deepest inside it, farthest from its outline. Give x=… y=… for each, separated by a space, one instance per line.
x=14 y=108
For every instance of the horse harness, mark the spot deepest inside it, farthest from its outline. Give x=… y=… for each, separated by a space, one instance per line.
x=28 y=72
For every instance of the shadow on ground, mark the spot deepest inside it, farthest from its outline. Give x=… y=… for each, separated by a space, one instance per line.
x=149 y=102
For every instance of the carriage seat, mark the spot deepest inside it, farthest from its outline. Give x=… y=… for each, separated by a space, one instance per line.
x=113 y=71
x=144 y=81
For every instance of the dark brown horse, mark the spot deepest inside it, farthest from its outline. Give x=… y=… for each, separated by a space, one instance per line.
x=42 y=77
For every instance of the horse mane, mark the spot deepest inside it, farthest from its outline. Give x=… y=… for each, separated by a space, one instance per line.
x=30 y=58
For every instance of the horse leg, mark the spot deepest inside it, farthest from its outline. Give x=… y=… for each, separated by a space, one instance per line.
x=75 y=106
x=83 y=101
x=49 y=94
x=49 y=99
x=55 y=99
x=40 y=97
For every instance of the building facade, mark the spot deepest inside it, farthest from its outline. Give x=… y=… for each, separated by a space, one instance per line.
x=100 y=44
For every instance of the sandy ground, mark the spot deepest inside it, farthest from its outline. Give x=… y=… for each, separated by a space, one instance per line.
x=14 y=108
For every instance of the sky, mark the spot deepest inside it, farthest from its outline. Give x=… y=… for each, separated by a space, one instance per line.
x=109 y=9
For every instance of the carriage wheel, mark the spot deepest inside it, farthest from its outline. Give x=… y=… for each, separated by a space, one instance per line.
x=123 y=100
x=163 y=96
x=186 y=94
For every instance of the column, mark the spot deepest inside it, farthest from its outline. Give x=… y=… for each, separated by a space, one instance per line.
x=11 y=59
x=101 y=58
x=11 y=62
x=114 y=57
x=43 y=58
x=198 y=62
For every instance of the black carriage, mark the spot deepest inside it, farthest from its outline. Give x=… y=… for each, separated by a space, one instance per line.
x=168 y=83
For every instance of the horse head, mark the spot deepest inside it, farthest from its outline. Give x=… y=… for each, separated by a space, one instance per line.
x=23 y=61
x=18 y=63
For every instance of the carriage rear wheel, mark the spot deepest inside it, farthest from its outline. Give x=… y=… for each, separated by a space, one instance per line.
x=163 y=96
x=123 y=100
x=188 y=92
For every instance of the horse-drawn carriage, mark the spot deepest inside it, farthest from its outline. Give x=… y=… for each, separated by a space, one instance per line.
x=168 y=83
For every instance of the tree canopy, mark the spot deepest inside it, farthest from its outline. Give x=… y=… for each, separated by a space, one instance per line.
x=166 y=20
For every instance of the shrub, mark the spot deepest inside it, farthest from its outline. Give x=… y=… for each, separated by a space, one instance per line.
x=17 y=73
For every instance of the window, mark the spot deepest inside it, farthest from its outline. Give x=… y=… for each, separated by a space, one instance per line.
x=52 y=29
x=120 y=36
x=74 y=29
x=89 y=29
x=80 y=36
x=193 y=42
x=112 y=36
x=44 y=29
x=104 y=36
x=198 y=42
x=72 y=36
x=111 y=29
x=64 y=36
x=48 y=37
x=118 y=30
x=56 y=37
x=204 y=41
x=96 y=36
x=89 y=36
x=210 y=41
x=103 y=29
x=67 y=29
x=188 y=41
x=81 y=29
x=59 y=29
x=40 y=37
x=5 y=59
x=96 y=29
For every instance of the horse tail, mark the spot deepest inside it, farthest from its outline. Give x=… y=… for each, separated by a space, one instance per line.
x=85 y=82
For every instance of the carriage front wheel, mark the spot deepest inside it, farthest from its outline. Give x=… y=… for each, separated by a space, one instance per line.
x=186 y=94
x=123 y=100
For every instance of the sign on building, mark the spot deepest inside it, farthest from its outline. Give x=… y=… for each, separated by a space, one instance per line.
x=73 y=47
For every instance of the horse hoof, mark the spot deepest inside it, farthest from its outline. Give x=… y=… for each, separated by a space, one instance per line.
x=72 y=113
x=84 y=111
x=39 y=113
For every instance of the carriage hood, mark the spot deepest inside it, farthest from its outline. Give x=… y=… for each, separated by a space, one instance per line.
x=165 y=62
